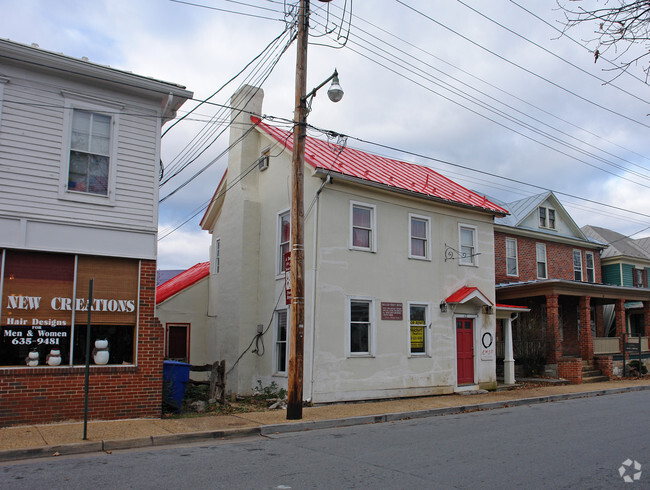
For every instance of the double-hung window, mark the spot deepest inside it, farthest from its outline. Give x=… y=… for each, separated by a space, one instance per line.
x=281 y=353
x=418 y=315
x=577 y=265
x=638 y=278
x=363 y=229
x=546 y=217
x=540 y=251
x=90 y=148
x=467 y=239
x=512 y=267
x=419 y=239
x=589 y=267
x=284 y=238
x=361 y=327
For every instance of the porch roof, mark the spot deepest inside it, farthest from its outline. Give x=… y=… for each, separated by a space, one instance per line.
x=599 y=293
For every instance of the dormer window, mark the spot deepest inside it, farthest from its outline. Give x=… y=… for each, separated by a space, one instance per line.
x=546 y=217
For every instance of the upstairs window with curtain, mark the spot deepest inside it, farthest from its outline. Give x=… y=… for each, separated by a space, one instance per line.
x=90 y=145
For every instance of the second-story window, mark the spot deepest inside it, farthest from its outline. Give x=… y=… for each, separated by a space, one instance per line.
x=90 y=147
x=467 y=239
x=419 y=247
x=638 y=278
x=362 y=230
x=540 y=250
x=284 y=238
x=589 y=267
x=577 y=265
x=512 y=268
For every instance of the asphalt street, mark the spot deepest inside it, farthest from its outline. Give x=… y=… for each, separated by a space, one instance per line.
x=578 y=443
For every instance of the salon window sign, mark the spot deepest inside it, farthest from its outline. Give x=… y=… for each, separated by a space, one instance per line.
x=487 y=345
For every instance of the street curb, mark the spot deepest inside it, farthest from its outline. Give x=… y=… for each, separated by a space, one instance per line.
x=269 y=430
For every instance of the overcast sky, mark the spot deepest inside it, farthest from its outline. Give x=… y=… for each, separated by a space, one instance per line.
x=494 y=89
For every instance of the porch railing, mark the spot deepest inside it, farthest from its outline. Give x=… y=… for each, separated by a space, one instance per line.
x=611 y=345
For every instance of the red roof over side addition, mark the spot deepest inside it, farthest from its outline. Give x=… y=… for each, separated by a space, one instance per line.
x=183 y=280
x=382 y=170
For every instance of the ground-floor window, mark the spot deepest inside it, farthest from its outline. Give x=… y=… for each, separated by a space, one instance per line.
x=281 y=342
x=418 y=328
x=177 y=342
x=361 y=322
x=45 y=302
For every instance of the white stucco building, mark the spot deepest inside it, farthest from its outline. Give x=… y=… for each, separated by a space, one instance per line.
x=399 y=270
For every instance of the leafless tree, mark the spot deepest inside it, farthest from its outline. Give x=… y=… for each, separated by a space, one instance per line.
x=622 y=30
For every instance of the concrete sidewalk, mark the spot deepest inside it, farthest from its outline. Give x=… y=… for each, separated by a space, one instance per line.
x=67 y=438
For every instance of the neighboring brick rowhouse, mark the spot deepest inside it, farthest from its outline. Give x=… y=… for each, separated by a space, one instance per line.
x=570 y=368
x=559 y=259
x=44 y=394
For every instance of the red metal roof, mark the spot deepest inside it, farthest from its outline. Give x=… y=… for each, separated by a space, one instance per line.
x=466 y=293
x=182 y=281
x=386 y=171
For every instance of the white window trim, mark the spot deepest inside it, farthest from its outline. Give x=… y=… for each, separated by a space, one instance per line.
x=545 y=261
x=516 y=257
x=372 y=335
x=279 y=273
x=427 y=329
x=547 y=226
x=582 y=271
x=474 y=256
x=373 y=224
x=427 y=251
x=275 y=342
x=100 y=106
x=593 y=268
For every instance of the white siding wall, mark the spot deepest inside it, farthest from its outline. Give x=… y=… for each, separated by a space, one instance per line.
x=32 y=142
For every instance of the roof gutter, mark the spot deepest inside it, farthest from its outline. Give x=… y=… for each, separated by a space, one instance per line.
x=512 y=230
x=369 y=183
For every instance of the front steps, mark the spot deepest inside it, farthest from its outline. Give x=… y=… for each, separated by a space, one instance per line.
x=590 y=374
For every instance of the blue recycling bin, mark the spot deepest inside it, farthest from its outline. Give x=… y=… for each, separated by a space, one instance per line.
x=176 y=374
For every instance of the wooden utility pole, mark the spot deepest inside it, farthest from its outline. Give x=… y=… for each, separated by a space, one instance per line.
x=297 y=311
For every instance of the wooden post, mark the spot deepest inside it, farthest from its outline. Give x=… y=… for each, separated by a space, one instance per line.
x=297 y=316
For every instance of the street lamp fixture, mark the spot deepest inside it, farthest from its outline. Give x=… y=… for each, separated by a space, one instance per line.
x=335 y=92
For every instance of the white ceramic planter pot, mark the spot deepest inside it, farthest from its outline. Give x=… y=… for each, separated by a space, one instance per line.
x=101 y=356
x=101 y=344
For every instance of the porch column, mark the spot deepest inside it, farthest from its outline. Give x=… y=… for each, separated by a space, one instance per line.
x=619 y=321
x=646 y=318
x=554 y=343
x=586 y=337
x=508 y=356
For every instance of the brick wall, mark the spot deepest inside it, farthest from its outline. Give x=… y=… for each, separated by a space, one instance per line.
x=40 y=395
x=570 y=368
x=559 y=259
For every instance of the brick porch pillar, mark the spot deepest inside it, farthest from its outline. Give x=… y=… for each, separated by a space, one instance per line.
x=619 y=321
x=586 y=336
x=646 y=318
x=554 y=343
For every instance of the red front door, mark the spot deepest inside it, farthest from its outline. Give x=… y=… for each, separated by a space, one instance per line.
x=465 y=350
